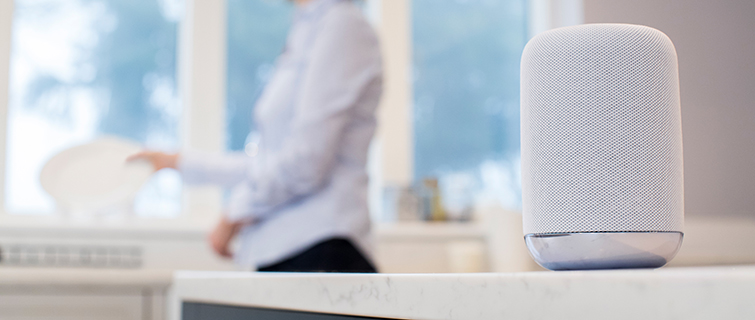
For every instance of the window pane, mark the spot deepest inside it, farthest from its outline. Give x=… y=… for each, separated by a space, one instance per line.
x=86 y=68
x=466 y=96
x=256 y=36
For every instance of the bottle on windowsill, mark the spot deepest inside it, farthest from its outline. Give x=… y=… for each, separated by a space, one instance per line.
x=433 y=201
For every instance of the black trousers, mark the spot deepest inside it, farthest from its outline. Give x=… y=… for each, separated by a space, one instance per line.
x=332 y=255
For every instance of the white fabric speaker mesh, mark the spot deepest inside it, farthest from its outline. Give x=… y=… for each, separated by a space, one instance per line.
x=601 y=131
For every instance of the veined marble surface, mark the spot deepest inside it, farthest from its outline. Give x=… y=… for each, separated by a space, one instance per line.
x=667 y=293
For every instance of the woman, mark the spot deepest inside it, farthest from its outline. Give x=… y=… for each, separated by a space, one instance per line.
x=300 y=203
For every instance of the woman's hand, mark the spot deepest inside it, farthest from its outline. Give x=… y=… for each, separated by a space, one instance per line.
x=159 y=160
x=220 y=237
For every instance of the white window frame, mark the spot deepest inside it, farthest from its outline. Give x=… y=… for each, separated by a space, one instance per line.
x=202 y=77
x=6 y=22
x=544 y=15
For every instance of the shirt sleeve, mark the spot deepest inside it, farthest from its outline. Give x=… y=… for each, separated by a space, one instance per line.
x=344 y=60
x=224 y=170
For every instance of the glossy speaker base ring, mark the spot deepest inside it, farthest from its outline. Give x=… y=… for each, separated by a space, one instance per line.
x=603 y=250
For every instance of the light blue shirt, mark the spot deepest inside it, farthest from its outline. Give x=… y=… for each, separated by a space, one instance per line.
x=307 y=182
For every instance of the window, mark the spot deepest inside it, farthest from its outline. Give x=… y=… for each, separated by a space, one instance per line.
x=256 y=36
x=466 y=96
x=86 y=68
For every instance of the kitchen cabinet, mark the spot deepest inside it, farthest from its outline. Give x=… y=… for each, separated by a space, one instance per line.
x=83 y=294
x=68 y=304
x=204 y=311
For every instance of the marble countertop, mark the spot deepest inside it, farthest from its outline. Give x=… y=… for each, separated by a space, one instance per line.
x=667 y=293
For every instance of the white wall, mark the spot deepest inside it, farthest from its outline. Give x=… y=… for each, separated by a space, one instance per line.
x=6 y=21
x=715 y=42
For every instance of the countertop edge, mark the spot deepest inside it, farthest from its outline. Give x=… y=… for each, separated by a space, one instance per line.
x=691 y=293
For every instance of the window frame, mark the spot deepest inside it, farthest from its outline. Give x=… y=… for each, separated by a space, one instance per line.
x=6 y=23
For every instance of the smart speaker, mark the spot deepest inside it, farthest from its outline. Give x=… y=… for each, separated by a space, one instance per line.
x=602 y=180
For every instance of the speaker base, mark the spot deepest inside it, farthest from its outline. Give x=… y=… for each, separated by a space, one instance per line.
x=603 y=250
